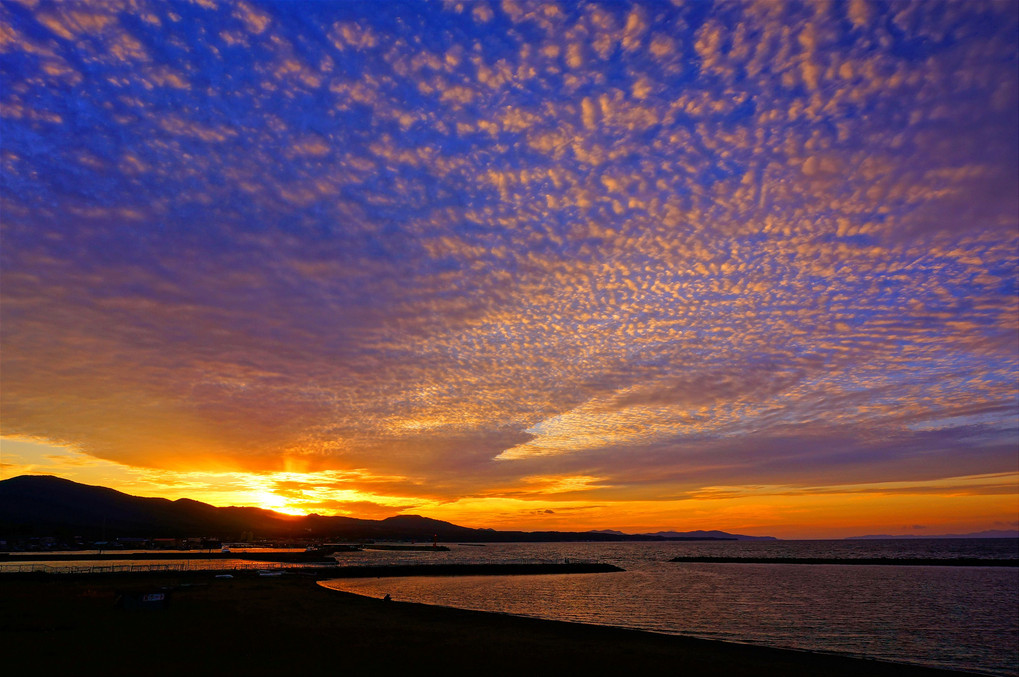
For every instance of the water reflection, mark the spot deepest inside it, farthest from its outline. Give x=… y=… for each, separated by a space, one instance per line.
x=954 y=617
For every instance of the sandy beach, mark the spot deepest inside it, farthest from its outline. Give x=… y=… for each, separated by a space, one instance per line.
x=289 y=625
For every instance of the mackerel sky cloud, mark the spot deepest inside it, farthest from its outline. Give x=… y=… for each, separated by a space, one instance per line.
x=401 y=255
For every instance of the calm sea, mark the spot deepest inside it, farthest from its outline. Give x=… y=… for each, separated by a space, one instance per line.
x=963 y=618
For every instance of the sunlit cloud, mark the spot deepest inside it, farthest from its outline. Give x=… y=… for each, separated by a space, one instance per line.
x=285 y=492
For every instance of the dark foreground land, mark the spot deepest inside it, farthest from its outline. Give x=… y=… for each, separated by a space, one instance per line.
x=288 y=625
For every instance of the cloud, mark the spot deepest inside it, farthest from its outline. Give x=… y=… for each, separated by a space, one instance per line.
x=654 y=248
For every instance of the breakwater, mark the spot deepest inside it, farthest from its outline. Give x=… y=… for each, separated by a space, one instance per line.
x=469 y=569
x=406 y=548
x=330 y=569
x=882 y=561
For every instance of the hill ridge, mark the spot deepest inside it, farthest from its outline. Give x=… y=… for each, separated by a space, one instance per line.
x=46 y=505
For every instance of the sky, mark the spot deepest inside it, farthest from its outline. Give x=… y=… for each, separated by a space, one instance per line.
x=748 y=266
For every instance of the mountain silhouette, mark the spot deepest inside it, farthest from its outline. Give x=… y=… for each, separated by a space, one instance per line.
x=43 y=505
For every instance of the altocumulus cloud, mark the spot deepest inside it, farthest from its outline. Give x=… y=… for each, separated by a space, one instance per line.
x=654 y=248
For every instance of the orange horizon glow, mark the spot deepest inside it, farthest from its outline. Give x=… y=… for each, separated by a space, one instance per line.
x=950 y=506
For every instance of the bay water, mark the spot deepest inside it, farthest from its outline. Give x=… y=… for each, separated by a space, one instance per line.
x=962 y=618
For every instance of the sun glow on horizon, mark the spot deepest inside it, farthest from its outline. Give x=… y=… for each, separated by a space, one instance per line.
x=561 y=502
x=276 y=503
x=291 y=493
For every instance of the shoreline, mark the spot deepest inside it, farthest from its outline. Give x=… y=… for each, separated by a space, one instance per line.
x=284 y=557
x=869 y=666
x=290 y=625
